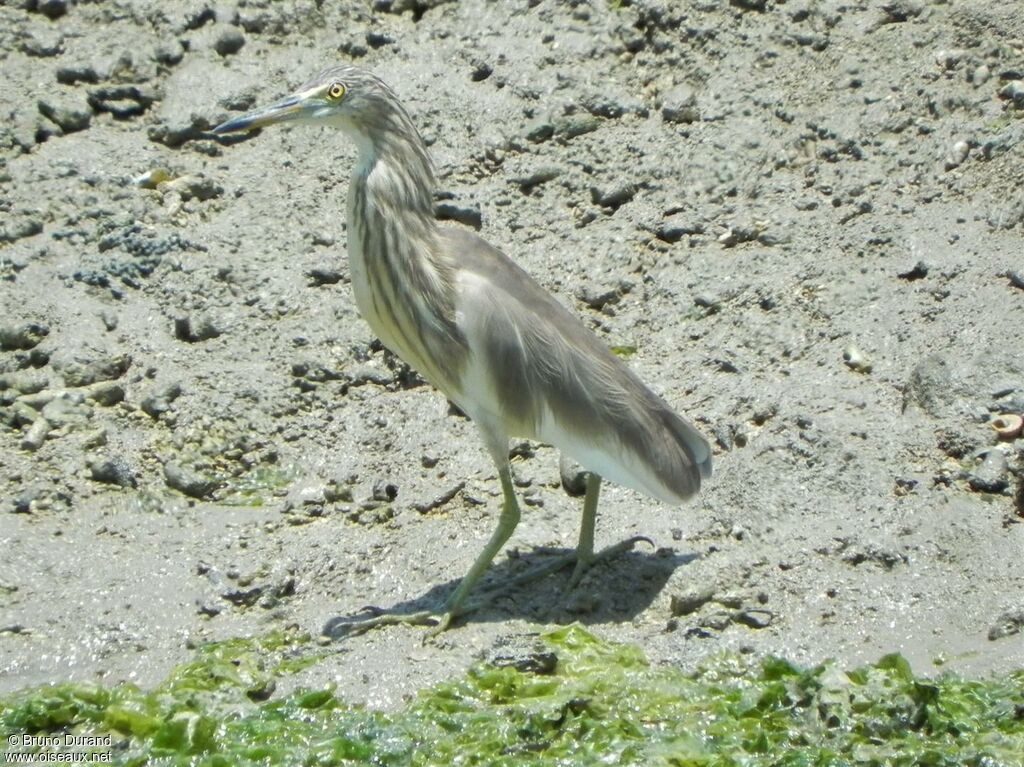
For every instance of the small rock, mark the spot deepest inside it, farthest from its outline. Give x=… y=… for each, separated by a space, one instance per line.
x=51 y=9
x=192 y=187
x=992 y=475
x=384 y=491
x=22 y=337
x=71 y=113
x=113 y=471
x=36 y=434
x=187 y=480
x=957 y=154
x=159 y=402
x=572 y=126
x=856 y=360
x=323 y=276
x=85 y=372
x=121 y=101
x=202 y=329
x=105 y=393
x=613 y=196
x=230 y=40
x=481 y=71
x=540 y=129
x=690 y=601
x=918 y=272
x=599 y=297
x=979 y=75
x=22 y=382
x=537 y=177
x=573 y=476
x=1013 y=91
x=680 y=106
x=755 y=618
x=468 y=215
x=677 y=226
x=43 y=44
x=709 y=301
x=1008 y=624
x=74 y=74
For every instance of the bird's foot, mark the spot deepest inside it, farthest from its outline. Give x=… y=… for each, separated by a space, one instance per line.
x=370 y=618
x=373 y=617
x=584 y=561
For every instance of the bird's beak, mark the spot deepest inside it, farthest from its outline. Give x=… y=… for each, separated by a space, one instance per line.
x=289 y=108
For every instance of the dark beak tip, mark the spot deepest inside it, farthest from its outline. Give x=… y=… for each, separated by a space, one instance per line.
x=234 y=125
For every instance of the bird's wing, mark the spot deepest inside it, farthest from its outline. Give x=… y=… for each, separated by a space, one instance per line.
x=538 y=372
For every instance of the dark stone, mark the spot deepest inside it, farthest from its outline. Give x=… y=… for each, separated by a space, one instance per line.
x=22 y=337
x=188 y=481
x=113 y=471
x=229 y=41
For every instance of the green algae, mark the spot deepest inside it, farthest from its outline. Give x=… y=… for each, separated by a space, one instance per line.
x=603 y=704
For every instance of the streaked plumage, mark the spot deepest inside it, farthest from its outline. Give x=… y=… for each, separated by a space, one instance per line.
x=478 y=327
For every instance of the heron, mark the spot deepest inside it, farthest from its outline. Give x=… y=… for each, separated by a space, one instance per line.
x=483 y=332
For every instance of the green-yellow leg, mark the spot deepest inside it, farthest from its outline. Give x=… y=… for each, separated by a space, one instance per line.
x=455 y=606
x=585 y=548
x=506 y=526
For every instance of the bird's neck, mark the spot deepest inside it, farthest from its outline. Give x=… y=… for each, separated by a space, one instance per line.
x=403 y=279
x=394 y=171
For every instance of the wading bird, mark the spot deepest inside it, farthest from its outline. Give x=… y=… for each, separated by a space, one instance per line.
x=482 y=331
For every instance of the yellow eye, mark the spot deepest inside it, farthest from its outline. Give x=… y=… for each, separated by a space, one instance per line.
x=336 y=91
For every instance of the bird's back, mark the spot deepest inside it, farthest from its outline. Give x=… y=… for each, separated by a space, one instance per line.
x=548 y=377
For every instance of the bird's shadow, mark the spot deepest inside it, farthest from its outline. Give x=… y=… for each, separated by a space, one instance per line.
x=616 y=589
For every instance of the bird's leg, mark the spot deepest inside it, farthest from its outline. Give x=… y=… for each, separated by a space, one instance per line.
x=585 y=556
x=455 y=606
x=506 y=525
x=585 y=548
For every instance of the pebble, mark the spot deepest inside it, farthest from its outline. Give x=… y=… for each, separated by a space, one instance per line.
x=192 y=187
x=572 y=475
x=680 y=106
x=229 y=40
x=755 y=618
x=203 y=329
x=1008 y=624
x=690 y=601
x=159 y=402
x=105 y=393
x=856 y=360
x=992 y=474
x=467 y=215
x=51 y=9
x=122 y=101
x=187 y=480
x=481 y=70
x=957 y=154
x=36 y=434
x=538 y=177
x=979 y=75
x=384 y=491
x=22 y=382
x=85 y=372
x=113 y=471
x=613 y=196
x=1013 y=91
x=572 y=126
x=43 y=44
x=677 y=226
x=77 y=73
x=22 y=337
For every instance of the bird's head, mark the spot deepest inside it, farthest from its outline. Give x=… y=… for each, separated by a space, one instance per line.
x=342 y=96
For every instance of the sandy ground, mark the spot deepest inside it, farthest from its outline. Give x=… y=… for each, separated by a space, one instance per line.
x=201 y=439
